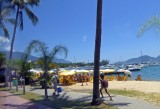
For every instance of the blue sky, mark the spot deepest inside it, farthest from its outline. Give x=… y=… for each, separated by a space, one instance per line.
x=72 y=23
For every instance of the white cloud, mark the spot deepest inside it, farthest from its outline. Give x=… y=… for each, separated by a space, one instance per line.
x=4 y=43
x=4 y=40
x=7 y=48
x=84 y=38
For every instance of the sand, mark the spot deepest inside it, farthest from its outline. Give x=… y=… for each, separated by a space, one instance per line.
x=143 y=86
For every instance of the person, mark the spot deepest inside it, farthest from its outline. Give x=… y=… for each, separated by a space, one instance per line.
x=82 y=78
x=139 y=78
x=55 y=80
x=87 y=78
x=104 y=85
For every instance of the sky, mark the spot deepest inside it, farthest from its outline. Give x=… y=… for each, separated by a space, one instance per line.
x=72 y=23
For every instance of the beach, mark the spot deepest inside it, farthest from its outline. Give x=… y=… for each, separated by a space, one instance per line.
x=142 y=86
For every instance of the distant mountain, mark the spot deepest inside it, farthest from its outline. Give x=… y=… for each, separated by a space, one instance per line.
x=19 y=55
x=141 y=59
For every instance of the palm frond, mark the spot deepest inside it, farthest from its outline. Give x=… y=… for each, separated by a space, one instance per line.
x=16 y=2
x=11 y=21
x=38 y=47
x=33 y=2
x=6 y=33
x=152 y=24
x=31 y=15
x=6 y=12
x=59 y=49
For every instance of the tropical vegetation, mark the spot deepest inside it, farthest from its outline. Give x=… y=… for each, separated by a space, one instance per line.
x=46 y=57
x=20 y=6
x=4 y=14
x=151 y=24
x=2 y=60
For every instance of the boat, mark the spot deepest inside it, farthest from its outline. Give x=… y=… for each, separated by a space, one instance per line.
x=133 y=68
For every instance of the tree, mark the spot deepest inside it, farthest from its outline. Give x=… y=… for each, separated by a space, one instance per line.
x=20 y=6
x=96 y=95
x=2 y=60
x=151 y=24
x=104 y=62
x=46 y=57
x=3 y=19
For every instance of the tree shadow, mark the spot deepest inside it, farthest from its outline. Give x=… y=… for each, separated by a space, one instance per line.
x=28 y=105
x=63 y=101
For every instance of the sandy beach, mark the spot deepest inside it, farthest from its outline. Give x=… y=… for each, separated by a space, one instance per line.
x=143 y=86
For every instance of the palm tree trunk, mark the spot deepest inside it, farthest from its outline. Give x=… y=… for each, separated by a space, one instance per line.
x=23 y=81
x=45 y=84
x=96 y=94
x=14 y=34
x=13 y=38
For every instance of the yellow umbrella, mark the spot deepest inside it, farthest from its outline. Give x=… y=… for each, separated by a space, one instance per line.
x=82 y=71
x=66 y=73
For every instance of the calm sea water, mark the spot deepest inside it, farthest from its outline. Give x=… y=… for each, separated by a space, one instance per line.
x=151 y=73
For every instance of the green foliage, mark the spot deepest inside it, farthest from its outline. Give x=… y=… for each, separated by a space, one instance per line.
x=152 y=24
x=104 y=62
x=23 y=5
x=46 y=56
x=3 y=19
x=2 y=59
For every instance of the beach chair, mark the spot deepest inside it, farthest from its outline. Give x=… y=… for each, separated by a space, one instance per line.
x=111 y=78
x=91 y=79
x=119 y=78
x=139 y=78
x=124 y=78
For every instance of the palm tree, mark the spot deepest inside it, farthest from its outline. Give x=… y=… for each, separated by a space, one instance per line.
x=96 y=95
x=46 y=56
x=20 y=6
x=152 y=24
x=3 y=19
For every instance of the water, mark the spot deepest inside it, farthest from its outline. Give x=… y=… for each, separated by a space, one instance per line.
x=151 y=73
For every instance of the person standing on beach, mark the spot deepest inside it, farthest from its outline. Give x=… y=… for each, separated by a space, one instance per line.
x=82 y=78
x=55 y=80
x=104 y=85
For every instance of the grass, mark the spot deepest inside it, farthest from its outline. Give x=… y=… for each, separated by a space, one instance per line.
x=64 y=103
x=58 y=103
x=153 y=98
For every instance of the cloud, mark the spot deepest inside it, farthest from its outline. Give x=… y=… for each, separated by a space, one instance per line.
x=4 y=44
x=4 y=40
x=7 y=48
x=84 y=38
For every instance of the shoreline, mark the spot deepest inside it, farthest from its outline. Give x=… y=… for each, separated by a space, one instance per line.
x=142 y=86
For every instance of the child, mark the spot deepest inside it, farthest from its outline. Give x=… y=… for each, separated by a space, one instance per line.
x=104 y=85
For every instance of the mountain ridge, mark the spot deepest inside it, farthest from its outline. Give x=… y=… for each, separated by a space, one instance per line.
x=19 y=55
x=141 y=59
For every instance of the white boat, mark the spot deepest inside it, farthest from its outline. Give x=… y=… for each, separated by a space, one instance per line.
x=133 y=68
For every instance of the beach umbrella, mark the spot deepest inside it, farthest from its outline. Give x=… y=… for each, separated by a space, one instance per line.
x=82 y=71
x=67 y=72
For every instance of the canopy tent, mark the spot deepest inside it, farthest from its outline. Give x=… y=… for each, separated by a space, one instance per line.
x=107 y=71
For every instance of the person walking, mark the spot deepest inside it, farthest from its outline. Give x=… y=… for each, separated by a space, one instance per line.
x=104 y=85
x=55 y=81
